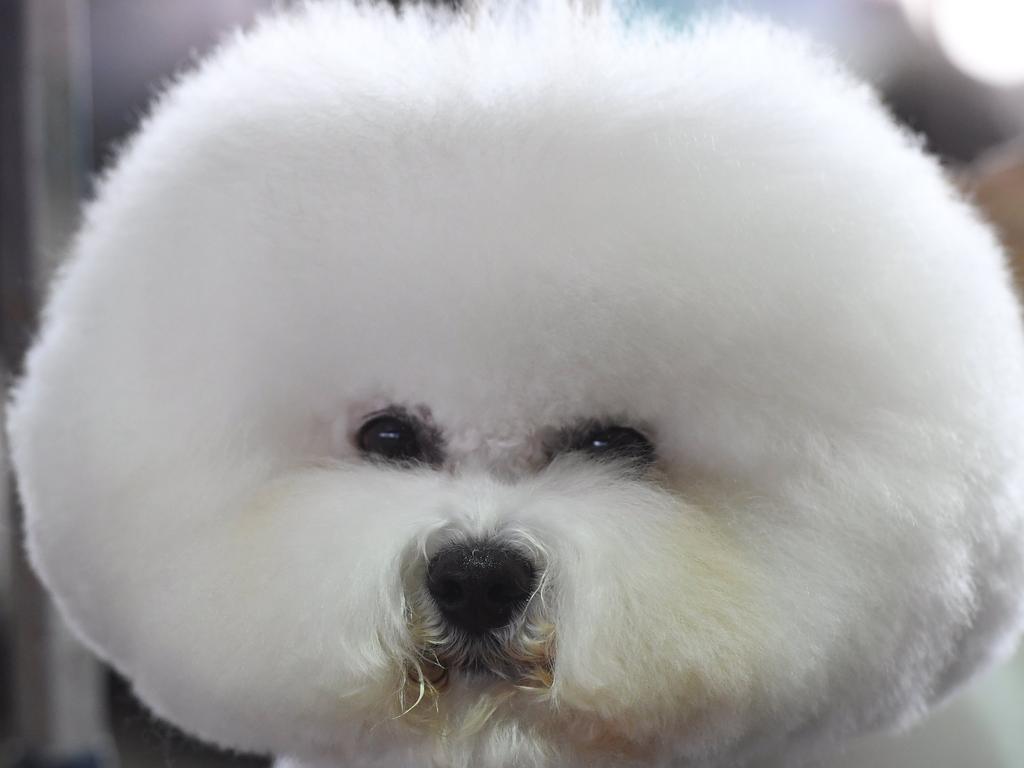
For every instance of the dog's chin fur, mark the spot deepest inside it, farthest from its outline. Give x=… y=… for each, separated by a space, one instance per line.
x=511 y=225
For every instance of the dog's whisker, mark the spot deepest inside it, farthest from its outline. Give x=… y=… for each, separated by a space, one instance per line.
x=422 y=694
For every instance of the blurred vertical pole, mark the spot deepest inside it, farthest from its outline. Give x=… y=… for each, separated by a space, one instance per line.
x=59 y=703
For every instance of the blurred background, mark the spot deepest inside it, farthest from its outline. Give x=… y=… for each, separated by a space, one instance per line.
x=76 y=77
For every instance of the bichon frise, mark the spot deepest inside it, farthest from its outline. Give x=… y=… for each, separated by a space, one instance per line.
x=535 y=388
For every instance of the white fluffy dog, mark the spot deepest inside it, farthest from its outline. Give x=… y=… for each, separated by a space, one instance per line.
x=530 y=389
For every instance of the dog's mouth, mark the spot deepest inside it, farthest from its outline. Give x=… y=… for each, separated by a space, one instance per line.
x=504 y=676
x=522 y=658
x=457 y=685
x=442 y=664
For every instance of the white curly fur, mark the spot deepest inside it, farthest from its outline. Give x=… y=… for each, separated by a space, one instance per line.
x=512 y=223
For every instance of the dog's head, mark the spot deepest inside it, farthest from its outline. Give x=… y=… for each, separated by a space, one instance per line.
x=530 y=390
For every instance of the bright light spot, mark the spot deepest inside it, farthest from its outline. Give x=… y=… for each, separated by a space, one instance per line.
x=984 y=38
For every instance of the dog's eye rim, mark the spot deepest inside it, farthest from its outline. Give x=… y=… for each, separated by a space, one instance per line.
x=609 y=441
x=411 y=441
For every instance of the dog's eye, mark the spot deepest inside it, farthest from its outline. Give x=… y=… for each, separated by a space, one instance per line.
x=614 y=443
x=391 y=437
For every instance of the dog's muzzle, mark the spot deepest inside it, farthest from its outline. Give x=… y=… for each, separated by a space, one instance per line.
x=479 y=586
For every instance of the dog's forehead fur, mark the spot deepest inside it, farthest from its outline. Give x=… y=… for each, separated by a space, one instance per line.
x=542 y=200
x=507 y=225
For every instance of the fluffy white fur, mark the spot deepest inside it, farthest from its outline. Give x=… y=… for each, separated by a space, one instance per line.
x=510 y=224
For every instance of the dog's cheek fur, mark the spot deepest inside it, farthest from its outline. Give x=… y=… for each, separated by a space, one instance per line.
x=877 y=580
x=660 y=625
x=250 y=627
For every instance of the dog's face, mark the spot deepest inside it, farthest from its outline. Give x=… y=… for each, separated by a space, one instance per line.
x=528 y=392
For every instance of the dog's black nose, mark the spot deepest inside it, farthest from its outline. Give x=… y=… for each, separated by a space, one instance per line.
x=479 y=587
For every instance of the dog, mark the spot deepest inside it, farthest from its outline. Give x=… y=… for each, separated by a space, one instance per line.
x=530 y=387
